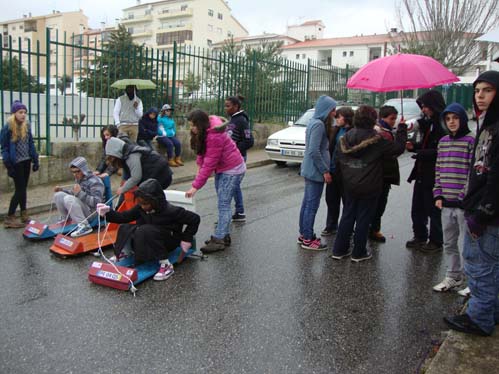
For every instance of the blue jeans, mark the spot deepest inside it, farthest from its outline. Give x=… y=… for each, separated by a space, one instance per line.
x=481 y=265
x=170 y=143
x=225 y=185
x=238 y=197
x=358 y=212
x=309 y=206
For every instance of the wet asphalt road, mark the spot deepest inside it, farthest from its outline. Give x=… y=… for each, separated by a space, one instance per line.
x=262 y=306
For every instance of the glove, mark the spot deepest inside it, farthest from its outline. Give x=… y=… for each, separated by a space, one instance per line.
x=185 y=246
x=102 y=209
x=476 y=229
x=35 y=167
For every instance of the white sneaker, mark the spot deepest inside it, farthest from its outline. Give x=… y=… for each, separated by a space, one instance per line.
x=165 y=271
x=448 y=284
x=81 y=230
x=464 y=292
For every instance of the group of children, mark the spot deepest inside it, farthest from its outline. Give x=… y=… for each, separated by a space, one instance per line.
x=456 y=189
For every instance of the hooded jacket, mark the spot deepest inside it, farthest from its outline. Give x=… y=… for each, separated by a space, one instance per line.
x=239 y=131
x=221 y=153
x=482 y=197
x=454 y=155
x=171 y=224
x=140 y=163
x=317 y=159
x=102 y=166
x=430 y=131
x=148 y=128
x=360 y=160
x=92 y=187
x=166 y=126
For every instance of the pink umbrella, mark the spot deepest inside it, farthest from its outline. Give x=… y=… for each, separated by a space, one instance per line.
x=401 y=72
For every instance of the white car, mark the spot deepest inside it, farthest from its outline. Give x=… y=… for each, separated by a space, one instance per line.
x=288 y=145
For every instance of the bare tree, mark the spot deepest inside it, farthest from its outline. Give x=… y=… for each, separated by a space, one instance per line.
x=446 y=29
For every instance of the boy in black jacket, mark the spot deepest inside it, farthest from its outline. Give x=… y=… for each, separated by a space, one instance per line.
x=240 y=131
x=425 y=146
x=481 y=212
x=360 y=158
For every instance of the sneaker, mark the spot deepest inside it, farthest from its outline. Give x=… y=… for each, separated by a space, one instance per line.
x=339 y=257
x=414 y=243
x=213 y=245
x=81 y=230
x=227 y=240
x=165 y=271
x=328 y=232
x=300 y=239
x=120 y=257
x=377 y=236
x=365 y=257
x=464 y=292
x=448 y=284
x=430 y=248
x=239 y=217
x=463 y=323
x=314 y=245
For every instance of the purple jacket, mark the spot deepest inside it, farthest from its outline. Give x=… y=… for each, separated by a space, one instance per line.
x=221 y=153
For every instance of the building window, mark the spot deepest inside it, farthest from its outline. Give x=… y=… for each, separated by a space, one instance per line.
x=130 y=16
x=297 y=56
x=148 y=11
x=303 y=55
x=183 y=8
x=209 y=42
x=21 y=27
x=174 y=36
x=344 y=53
x=210 y=27
x=13 y=28
x=210 y=12
x=230 y=34
x=130 y=30
x=220 y=16
x=351 y=53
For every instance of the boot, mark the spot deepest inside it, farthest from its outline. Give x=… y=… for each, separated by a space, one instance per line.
x=11 y=222
x=179 y=161
x=24 y=217
x=172 y=163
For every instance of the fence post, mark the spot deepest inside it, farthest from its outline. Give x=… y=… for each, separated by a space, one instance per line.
x=47 y=92
x=174 y=73
x=307 y=88
x=347 y=72
x=252 y=89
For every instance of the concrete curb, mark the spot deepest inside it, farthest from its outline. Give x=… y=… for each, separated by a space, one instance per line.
x=42 y=208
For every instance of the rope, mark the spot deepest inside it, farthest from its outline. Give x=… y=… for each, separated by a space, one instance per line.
x=132 y=288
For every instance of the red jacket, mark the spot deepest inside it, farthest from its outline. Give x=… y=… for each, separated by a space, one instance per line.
x=221 y=153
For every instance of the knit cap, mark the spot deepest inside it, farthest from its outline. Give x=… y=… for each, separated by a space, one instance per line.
x=17 y=105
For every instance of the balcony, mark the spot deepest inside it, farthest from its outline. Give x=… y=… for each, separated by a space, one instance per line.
x=179 y=27
x=139 y=19
x=170 y=46
x=139 y=33
x=175 y=13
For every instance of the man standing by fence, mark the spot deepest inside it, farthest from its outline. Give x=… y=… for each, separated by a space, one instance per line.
x=128 y=110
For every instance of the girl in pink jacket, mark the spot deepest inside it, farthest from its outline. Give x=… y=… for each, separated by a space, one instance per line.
x=216 y=152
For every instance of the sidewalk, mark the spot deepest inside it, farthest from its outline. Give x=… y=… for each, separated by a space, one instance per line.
x=39 y=197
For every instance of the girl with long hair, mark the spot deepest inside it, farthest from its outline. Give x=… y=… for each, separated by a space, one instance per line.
x=18 y=154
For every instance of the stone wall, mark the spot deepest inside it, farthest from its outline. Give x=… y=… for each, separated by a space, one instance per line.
x=55 y=168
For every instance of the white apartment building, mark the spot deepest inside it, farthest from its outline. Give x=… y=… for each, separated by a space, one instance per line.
x=309 y=30
x=258 y=40
x=33 y=29
x=199 y=23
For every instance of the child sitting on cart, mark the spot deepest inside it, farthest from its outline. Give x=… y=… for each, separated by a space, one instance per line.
x=160 y=228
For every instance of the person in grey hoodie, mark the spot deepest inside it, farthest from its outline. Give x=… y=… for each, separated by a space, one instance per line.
x=315 y=170
x=83 y=198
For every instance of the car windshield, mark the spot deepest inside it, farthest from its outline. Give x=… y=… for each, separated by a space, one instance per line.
x=305 y=118
x=411 y=108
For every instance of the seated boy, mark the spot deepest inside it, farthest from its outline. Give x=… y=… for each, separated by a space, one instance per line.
x=82 y=199
x=160 y=228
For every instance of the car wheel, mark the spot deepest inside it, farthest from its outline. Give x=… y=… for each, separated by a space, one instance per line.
x=281 y=164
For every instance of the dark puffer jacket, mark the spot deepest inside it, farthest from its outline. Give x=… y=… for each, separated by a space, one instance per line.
x=481 y=201
x=148 y=128
x=430 y=131
x=240 y=131
x=360 y=160
x=167 y=224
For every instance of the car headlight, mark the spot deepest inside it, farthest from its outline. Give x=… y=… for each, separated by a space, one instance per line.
x=272 y=142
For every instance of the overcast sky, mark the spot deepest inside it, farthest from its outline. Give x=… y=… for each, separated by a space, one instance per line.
x=342 y=18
